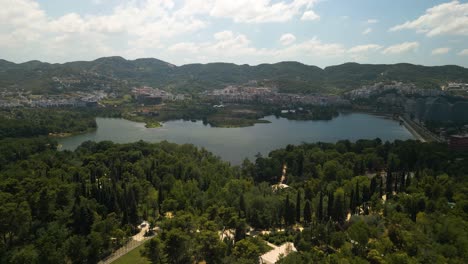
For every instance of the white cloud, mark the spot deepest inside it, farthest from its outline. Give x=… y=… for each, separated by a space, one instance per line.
x=440 y=51
x=141 y=25
x=444 y=19
x=463 y=52
x=401 y=48
x=287 y=39
x=313 y=47
x=364 y=48
x=133 y=28
x=372 y=21
x=247 y=11
x=310 y=15
x=230 y=46
x=367 y=31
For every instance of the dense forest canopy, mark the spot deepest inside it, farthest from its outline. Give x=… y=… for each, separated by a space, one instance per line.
x=77 y=207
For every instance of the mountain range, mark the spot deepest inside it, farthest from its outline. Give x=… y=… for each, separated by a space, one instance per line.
x=121 y=74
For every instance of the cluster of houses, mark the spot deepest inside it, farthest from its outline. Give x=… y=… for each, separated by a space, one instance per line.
x=268 y=95
x=78 y=99
x=151 y=96
x=454 y=86
x=367 y=91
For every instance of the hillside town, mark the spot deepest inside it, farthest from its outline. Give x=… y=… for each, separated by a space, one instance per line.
x=15 y=99
x=271 y=96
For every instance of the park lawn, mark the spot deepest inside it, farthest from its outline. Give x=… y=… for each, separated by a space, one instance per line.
x=133 y=257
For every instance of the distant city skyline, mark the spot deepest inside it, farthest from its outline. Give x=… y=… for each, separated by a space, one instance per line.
x=313 y=32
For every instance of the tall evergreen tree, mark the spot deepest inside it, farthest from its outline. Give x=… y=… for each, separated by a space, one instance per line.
x=373 y=185
x=408 y=180
x=357 y=198
x=330 y=205
x=289 y=212
x=402 y=182
x=307 y=212
x=242 y=210
x=339 y=205
x=395 y=182
x=307 y=193
x=389 y=184
x=160 y=199
x=320 y=207
x=381 y=186
x=298 y=206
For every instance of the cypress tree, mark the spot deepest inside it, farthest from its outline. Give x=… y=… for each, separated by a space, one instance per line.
x=160 y=199
x=307 y=212
x=373 y=185
x=402 y=182
x=330 y=205
x=307 y=193
x=389 y=184
x=363 y=167
x=339 y=205
x=357 y=200
x=298 y=206
x=287 y=210
x=365 y=194
x=241 y=206
x=320 y=207
x=408 y=180
x=396 y=182
x=381 y=187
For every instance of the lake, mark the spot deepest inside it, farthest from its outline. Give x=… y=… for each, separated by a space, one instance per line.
x=236 y=144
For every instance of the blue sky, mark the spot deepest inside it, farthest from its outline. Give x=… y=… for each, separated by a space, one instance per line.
x=314 y=32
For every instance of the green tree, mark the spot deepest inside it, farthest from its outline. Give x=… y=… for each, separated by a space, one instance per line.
x=339 y=205
x=177 y=246
x=298 y=206
x=307 y=212
x=154 y=251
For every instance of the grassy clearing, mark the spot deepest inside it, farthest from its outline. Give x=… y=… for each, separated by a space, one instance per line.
x=133 y=257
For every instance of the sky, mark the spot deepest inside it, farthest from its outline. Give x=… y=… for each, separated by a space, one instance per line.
x=314 y=32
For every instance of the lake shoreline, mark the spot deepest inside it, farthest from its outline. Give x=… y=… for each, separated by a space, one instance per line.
x=236 y=144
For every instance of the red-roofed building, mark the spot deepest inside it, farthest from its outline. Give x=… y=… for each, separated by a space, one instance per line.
x=458 y=142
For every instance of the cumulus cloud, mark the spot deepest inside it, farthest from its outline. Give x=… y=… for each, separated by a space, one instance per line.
x=463 y=52
x=440 y=51
x=444 y=19
x=401 y=48
x=228 y=45
x=247 y=11
x=372 y=21
x=310 y=15
x=367 y=31
x=287 y=39
x=144 y=24
x=364 y=48
x=132 y=28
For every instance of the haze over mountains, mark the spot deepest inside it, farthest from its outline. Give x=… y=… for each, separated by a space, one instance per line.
x=119 y=73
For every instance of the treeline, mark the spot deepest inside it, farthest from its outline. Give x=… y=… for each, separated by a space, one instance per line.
x=78 y=207
x=33 y=122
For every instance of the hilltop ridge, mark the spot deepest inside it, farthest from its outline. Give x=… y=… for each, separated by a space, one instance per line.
x=289 y=76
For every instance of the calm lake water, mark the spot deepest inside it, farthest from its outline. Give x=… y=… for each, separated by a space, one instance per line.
x=235 y=144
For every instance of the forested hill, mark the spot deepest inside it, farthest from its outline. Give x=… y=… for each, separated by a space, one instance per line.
x=78 y=207
x=119 y=73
